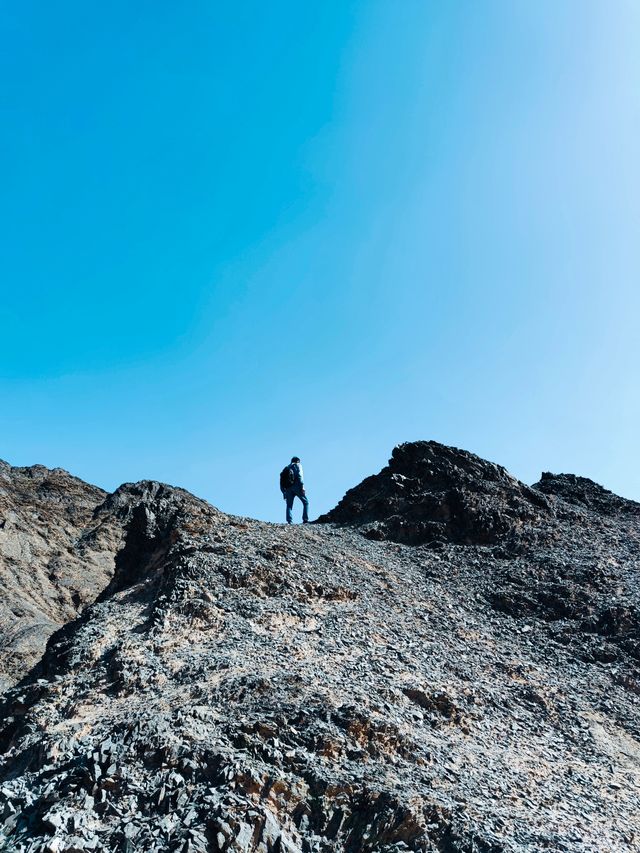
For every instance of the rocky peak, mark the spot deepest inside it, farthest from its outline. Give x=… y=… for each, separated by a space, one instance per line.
x=47 y=491
x=433 y=493
x=155 y=516
x=582 y=492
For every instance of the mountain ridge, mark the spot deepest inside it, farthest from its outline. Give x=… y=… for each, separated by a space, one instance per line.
x=239 y=685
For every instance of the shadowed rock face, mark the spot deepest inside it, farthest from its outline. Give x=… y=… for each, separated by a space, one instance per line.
x=432 y=493
x=56 y=555
x=59 y=538
x=243 y=686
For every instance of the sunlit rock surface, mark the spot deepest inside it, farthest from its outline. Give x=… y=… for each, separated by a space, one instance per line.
x=450 y=664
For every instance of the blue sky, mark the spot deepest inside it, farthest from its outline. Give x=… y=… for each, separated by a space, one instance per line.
x=234 y=232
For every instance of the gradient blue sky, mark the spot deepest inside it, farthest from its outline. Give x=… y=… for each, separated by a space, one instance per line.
x=235 y=231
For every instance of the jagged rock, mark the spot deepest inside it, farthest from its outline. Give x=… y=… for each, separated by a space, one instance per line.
x=430 y=493
x=237 y=685
x=583 y=492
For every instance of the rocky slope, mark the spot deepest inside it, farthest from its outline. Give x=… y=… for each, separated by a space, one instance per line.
x=243 y=686
x=54 y=558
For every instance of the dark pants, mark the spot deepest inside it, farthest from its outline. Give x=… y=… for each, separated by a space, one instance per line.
x=296 y=492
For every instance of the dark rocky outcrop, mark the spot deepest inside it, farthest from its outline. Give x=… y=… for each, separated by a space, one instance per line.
x=244 y=686
x=432 y=493
x=584 y=493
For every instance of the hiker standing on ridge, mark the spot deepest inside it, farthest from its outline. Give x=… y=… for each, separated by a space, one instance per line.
x=292 y=486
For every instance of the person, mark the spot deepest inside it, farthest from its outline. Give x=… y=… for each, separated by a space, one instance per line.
x=295 y=489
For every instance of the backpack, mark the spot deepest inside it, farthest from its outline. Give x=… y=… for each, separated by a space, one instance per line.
x=287 y=478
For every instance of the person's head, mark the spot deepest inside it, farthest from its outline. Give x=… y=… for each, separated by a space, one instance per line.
x=295 y=458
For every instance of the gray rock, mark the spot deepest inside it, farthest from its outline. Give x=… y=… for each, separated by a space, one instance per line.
x=238 y=685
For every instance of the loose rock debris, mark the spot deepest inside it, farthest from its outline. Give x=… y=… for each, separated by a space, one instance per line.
x=243 y=686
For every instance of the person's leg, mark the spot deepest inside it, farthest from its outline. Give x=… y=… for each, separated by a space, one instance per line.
x=305 y=504
x=289 y=498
